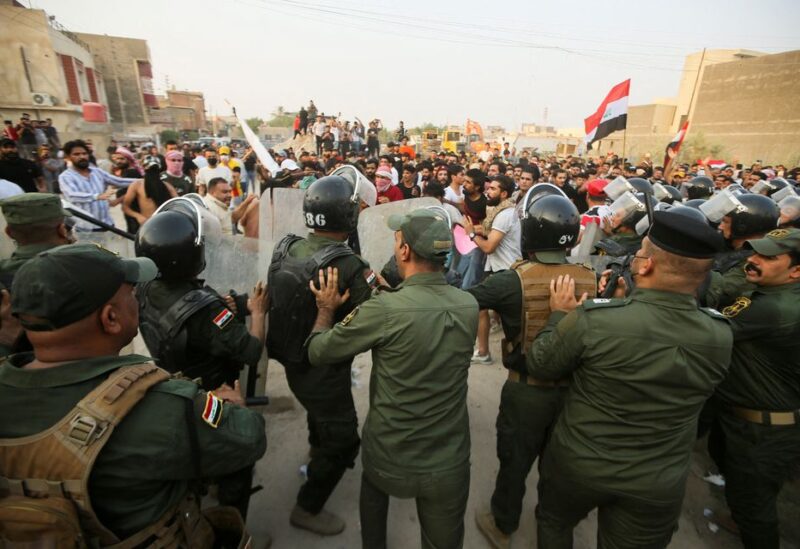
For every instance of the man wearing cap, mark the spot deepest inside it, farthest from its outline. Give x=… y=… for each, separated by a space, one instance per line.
x=416 y=441
x=35 y=221
x=641 y=369
x=78 y=308
x=760 y=398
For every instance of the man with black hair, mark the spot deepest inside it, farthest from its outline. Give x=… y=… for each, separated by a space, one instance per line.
x=85 y=185
x=25 y=173
x=408 y=184
x=760 y=397
x=498 y=237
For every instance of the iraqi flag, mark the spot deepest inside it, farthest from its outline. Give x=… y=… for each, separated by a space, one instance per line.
x=611 y=115
x=675 y=145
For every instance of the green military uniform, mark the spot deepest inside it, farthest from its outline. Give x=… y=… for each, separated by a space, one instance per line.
x=728 y=280
x=527 y=411
x=216 y=348
x=641 y=368
x=625 y=355
x=325 y=391
x=22 y=211
x=760 y=400
x=416 y=435
x=148 y=465
x=630 y=242
x=175 y=435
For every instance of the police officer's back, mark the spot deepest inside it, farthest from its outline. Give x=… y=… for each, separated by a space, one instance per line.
x=641 y=367
x=153 y=437
x=331 y=206
x=528 y=406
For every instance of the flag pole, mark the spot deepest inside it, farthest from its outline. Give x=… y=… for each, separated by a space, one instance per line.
x=624 y=136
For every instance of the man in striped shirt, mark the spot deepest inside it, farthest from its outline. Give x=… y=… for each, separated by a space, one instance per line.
x=85 y=186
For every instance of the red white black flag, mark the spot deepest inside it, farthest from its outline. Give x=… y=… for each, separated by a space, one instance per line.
x=675 y=145
x=611 y=116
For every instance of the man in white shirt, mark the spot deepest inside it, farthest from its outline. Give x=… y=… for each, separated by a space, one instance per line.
x=499 y=237
x=486 y=154
x=8 y=188
x=218 y=200
x=214 y=169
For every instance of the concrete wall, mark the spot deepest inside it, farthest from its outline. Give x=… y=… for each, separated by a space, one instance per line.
x=752 y=108
x=29 y=29
x=192 y=100
x=116 y=60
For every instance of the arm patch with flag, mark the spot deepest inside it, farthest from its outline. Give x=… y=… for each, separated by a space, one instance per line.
x=212 y=411
x=223 y=318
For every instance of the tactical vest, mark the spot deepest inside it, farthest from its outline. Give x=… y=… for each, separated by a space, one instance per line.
x=44 y=482
x=164 y=332
x=535 y=280
x=292 y=306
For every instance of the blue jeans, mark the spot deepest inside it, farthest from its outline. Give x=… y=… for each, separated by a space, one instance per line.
x=471 y=268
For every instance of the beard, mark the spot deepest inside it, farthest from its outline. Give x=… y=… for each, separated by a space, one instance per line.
x=493 y=201
x=82 y=164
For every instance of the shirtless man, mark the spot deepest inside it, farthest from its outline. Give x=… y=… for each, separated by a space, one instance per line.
x=148 y=194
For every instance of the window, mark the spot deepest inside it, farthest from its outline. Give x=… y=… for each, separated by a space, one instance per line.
x=73 y=92
x=83 y=86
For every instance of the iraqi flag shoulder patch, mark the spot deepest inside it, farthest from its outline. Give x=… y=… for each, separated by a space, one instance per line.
x=212 y=411
x=223 y=318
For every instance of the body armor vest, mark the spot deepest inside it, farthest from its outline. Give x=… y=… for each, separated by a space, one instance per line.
x=45 y=476
x=535 y=282
x=293 y=307
x=164 y=332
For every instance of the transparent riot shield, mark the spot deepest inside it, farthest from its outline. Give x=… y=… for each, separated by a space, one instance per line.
x=375 y=238
x=7 y=245
x=280 y=213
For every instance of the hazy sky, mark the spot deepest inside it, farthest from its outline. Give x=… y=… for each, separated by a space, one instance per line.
x=427 y=61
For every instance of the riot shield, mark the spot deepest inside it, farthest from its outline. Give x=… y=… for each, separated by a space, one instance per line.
x=280 y=213
x=7 y=245
x=375 y=238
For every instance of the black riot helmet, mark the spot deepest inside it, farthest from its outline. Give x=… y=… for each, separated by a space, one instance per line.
x=174 y=241
x=695 y=203
x=641 y=185
x=549 y=222
x=699 y=187
x=330 y=205
x=693 y=213
x=540 y=190
x=675 y=196
x=760 y=215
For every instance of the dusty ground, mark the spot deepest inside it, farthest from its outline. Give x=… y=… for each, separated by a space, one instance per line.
x=278 y=472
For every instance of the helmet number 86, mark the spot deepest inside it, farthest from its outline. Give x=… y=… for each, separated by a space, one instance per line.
x=316 y=220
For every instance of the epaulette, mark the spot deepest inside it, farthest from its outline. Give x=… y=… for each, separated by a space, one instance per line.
x=713 y=313
x=604 y=303
x=163 y=176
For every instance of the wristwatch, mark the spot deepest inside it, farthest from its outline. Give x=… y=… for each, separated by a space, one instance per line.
x=472 y=236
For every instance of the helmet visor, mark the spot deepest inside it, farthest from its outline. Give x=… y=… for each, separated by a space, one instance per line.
x=722 y=204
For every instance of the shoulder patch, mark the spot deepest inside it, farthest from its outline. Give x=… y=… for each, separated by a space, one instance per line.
x=212 y=411
x=604 y=303
x=223 y=318
x=163 y=176
x=736 y=307
x=778 y=234
x=713 y=313
x=346 y=320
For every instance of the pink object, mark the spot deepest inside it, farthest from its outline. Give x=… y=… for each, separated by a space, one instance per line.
x=463 y=244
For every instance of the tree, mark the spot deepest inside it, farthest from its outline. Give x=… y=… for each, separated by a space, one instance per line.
x=696 y=147
x=170 y=135
x=254 y=123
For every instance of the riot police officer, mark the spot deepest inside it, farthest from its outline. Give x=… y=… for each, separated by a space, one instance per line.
x=528 y=406
x=756 y=216
x=700 y=187
x=331 y=207
x=187 y=326
x=628 y=210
